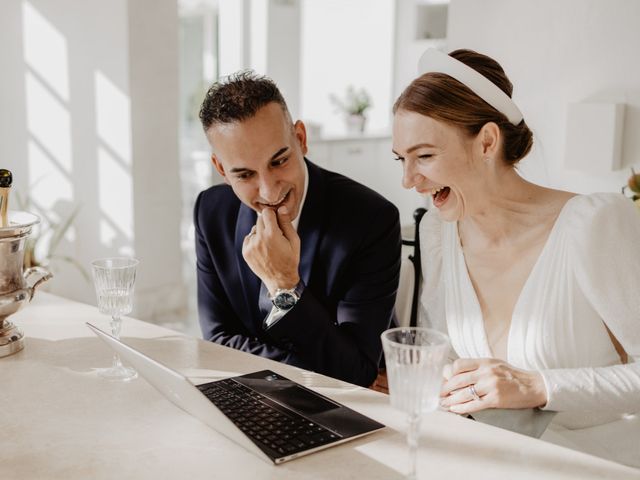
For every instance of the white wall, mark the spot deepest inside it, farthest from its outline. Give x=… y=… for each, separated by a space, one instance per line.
x=408 y=44
x=273 y=33
x=153 y=87
x=284 y=50
x=234 y=37
x=555 y=53
x=89 y=118
x=347 y=43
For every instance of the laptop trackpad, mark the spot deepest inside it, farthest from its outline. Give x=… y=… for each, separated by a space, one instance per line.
x=301 y=400
x=307 y=403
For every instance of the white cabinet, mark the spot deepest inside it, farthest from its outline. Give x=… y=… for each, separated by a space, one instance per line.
x=355 y=159
x=368 y=160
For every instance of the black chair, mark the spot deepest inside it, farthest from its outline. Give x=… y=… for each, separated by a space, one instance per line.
x=414 y=258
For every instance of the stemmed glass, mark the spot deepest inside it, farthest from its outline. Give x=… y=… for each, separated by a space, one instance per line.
x=114 y=279
x=415 y=358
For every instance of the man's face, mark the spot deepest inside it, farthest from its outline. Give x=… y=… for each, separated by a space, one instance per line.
x=262 y=158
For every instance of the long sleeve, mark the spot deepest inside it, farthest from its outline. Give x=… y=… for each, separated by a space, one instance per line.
x=346 y=343
x=605 y=257
x=431 y=313
x=218 y=320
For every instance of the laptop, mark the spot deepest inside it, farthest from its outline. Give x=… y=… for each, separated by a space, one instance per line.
x=271 y=416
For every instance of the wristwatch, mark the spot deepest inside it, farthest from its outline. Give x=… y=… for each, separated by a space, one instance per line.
x=284 y=299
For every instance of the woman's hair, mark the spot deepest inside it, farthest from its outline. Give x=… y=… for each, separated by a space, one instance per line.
x=443 y=98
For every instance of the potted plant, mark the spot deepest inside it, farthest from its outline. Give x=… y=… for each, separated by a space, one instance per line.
x=354 y=106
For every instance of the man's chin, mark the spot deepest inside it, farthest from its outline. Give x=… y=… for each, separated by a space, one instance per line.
x=293 y=208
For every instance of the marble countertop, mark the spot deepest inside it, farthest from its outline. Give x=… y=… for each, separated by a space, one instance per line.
x=59 y=420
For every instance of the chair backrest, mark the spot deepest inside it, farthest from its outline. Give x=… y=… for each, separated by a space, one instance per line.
x=407 y=299
x=404 y=298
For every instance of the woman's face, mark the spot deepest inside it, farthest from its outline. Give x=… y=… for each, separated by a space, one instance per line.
x=437 y=161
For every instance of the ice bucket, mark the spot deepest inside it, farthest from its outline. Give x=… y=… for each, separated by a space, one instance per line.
x=16 y=286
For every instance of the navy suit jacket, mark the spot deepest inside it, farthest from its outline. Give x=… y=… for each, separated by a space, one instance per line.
x=349 y=262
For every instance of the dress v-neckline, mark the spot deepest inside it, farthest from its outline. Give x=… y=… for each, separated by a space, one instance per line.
x=473 y=295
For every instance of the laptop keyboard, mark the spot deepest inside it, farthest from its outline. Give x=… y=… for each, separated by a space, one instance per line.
x=282 y=431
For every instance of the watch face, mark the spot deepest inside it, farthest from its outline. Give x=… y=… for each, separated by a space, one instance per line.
x=284 y=300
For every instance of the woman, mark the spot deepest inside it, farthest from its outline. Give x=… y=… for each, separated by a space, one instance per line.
x=538 y=289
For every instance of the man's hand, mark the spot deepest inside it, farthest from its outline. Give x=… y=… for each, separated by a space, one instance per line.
x=272 y=250
x=495 y=383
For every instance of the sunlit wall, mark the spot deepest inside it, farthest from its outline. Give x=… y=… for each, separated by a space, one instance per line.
x=346 y=43
x=88 y=125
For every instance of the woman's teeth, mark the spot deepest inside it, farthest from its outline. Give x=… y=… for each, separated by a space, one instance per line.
x=434 y=191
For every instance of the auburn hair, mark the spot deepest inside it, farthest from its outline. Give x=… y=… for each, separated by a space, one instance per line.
x=439 y=96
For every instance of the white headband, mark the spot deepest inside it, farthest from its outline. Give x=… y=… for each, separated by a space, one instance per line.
x=437 y=62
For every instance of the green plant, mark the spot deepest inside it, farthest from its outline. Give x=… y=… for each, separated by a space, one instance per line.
x=633 y=184
x=54 y=231
x=355 y=102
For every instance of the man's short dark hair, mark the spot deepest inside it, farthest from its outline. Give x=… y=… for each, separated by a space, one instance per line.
x=238 y=97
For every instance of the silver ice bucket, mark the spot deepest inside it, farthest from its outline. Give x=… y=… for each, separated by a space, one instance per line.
x=16 y=286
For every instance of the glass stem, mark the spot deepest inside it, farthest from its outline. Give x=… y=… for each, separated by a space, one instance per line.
x=116 y=324
x=413 y=434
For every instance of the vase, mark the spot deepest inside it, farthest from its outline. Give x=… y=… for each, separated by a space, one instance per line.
x=355 y=123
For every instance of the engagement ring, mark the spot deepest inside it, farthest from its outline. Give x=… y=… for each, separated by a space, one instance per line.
x=474 y=394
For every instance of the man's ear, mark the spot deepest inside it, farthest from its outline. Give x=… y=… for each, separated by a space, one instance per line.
x=489 y=138
x=301 y=134
x=219 y=167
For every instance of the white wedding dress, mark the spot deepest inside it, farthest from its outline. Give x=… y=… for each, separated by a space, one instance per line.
x=587 y=276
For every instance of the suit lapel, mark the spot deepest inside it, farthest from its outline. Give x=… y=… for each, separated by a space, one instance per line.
x=309 y=229
x=250 y=282
x=311 y=221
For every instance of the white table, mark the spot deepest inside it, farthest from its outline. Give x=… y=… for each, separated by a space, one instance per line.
x=58 y=419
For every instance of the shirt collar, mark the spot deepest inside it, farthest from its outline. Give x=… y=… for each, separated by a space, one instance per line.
x=296 y=220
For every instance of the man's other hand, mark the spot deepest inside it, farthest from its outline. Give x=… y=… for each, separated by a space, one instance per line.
x=272 y=250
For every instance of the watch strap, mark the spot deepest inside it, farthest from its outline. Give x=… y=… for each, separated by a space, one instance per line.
x=297 y=291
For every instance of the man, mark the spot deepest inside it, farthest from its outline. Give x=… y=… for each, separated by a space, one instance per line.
x=295 y=263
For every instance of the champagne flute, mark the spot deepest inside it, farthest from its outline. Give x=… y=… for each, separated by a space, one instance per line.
x=415 y=358
x=114 y=278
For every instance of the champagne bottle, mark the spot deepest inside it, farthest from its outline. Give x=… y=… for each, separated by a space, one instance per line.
x=5 y=185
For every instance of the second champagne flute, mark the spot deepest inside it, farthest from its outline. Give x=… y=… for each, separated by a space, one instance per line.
x=415 y=358
x=114 y=279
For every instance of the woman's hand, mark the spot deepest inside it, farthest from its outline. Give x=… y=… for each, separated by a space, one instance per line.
x=496 y=384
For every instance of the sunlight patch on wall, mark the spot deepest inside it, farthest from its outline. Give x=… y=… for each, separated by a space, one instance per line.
x=50 y=185
x=45 y=50
x=108 y=234
x=114 y=175
x=113 y=117
x=48 y=122
x=115 y=195
x=49 y=153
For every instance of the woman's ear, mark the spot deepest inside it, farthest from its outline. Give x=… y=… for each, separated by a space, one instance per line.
x=489 y=139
